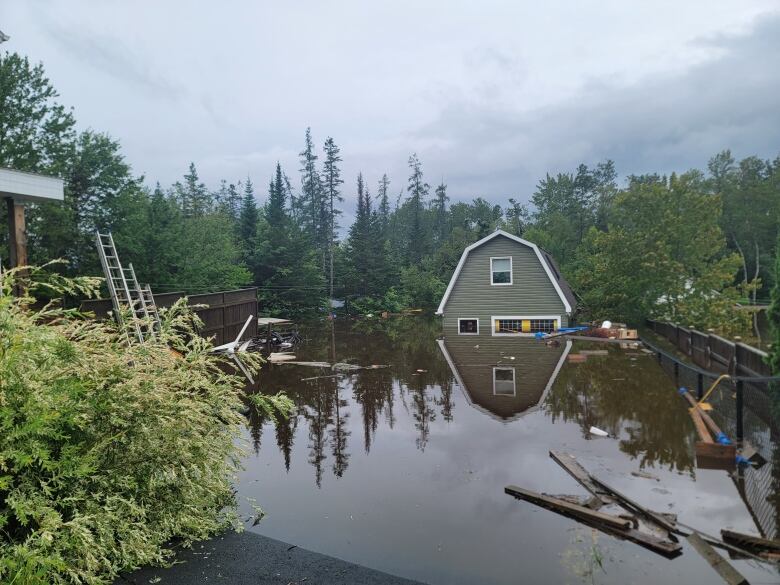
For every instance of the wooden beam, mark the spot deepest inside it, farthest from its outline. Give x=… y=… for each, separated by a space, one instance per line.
x=701 y=427
x=633 y=506
x=17 y=233
x=755 y=543
x=592 y=518
x=578 y=472
x=566 y=508
x=729 y=574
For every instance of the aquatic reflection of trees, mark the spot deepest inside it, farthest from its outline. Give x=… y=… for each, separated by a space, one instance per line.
x=417 y=375
x=631 y=399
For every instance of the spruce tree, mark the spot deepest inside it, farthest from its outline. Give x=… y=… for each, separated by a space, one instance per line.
x=440 y=210
x=247 y=224
x=332 y=196
x=275 y=213
x=384 y=204
x=417 y=190
x=311 y=192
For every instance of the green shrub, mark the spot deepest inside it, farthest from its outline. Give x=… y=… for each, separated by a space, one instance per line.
x=109 y=452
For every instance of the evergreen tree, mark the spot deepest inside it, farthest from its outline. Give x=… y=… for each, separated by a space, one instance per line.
x=275 y=213
x=418 y=191
x=193 y=197
x=332 y=196
x=440 y=212
x=310 y=202
x=247 y=224
x=384 y=204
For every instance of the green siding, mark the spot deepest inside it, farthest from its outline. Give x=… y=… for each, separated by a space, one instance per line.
x=531 y=292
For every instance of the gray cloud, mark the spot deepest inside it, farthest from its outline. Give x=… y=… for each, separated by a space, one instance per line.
x=662 y=124
x=490 y=95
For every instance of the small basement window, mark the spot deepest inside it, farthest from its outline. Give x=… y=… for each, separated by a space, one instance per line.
x=504 y=381
x=468 y=326
x=501 y=271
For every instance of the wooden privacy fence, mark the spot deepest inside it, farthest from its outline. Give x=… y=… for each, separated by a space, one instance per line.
x=714 y=353
x=222 y=319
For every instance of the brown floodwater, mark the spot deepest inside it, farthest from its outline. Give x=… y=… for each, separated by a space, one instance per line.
x=403 y=469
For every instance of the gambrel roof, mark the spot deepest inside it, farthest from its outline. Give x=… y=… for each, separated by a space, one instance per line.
x=550 y=267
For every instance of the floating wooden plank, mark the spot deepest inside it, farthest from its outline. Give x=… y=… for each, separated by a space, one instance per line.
x=633 y=506
x=319 y=377
x=578 y=472
x=729 y=574
x=714 y=428
x=593 y=352
x=566 y=508
x=748 y=541
x=591 y=518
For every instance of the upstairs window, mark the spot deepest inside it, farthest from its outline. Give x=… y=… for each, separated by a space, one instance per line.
x=501 y=271
x=504 y=381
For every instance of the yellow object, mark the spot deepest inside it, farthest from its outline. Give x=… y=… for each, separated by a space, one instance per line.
x=526 y=327
x=702 y=403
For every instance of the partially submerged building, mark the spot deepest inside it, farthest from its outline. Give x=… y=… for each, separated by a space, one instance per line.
x=505 y=378
x=505 y=285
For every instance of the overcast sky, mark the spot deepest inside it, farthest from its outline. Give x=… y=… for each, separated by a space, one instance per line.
x=491 y=95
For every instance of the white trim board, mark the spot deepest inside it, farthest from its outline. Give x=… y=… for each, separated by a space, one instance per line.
x=493 y=319
x=440 y=311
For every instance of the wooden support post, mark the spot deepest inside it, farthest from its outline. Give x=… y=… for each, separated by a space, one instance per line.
x=728 y=573
x=17 y=233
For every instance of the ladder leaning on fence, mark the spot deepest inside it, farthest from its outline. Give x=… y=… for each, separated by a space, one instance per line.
x=126 y=294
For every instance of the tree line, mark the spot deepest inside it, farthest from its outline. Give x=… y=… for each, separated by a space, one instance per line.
x=684 y=247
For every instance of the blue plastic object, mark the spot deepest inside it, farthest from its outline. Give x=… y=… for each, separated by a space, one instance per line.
x=722 y=439
x=539 y=335
x=742 y=461
x=682 y=390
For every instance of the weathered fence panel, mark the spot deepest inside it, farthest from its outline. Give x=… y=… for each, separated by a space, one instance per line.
x=223 y=317
x=713 y=352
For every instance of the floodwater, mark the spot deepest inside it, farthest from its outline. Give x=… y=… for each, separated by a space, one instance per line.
x=403 y=469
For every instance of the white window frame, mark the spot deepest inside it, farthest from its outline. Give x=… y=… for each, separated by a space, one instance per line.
x=511 y=271
x=494 y=318
x=514 y=380
x=468 y=319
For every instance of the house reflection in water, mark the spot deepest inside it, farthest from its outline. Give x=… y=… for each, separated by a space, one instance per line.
x=504 y=377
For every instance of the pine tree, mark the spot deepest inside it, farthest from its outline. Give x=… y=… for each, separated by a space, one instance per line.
x=332 y=195
x=311 y=192
x=275 y=213
x=192 y=195
x=440 y=210
x=247 y=224
x=418 y=190
x=384 y=204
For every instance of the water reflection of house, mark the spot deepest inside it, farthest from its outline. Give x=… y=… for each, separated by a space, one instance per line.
x=504 y=377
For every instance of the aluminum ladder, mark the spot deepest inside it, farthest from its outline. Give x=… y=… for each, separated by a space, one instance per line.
x=126 y=292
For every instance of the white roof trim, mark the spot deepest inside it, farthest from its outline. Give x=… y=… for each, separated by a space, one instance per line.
x=534 y=247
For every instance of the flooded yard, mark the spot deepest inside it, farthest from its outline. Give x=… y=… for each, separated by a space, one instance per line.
x=403 y=468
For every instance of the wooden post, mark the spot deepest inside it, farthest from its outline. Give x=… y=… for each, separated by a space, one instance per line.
x=17 y=233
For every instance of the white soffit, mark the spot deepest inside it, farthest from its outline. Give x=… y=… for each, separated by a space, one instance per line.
x=32 y=187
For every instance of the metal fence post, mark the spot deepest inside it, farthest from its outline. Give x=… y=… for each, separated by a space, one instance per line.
x=740 y=410
x=699 y=386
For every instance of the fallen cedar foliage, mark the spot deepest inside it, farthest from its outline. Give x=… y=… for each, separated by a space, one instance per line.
x=107 y=451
